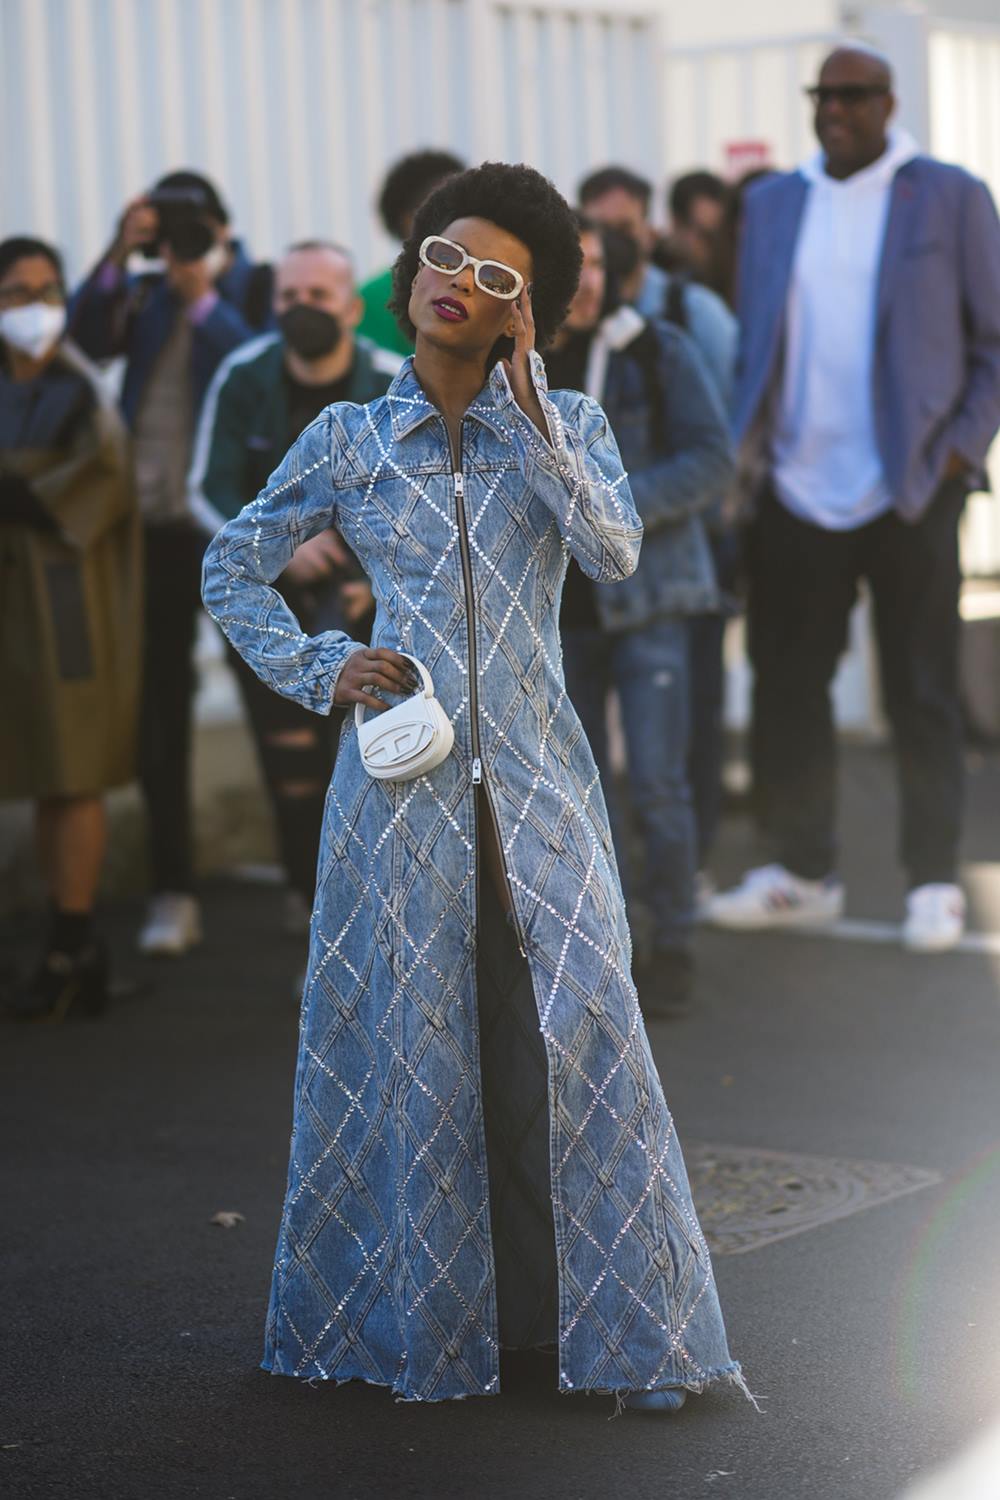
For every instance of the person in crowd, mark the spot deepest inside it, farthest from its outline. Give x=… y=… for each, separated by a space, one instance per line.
x=262 y=396
x=408 y=182
x=632 y=637
x=621 y=199
x=697 y=203
x=469 y=991
x=731 y=233
x=868 y=393
x=173 y=327
x=71 y=607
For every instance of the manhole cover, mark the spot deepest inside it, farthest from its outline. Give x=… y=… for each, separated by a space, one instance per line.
x=747 y=1198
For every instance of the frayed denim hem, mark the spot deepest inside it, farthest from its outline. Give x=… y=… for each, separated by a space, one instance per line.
x=731 y=1374
x=383 y=1385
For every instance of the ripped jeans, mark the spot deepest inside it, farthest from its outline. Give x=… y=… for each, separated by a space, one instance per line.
x=649 y=670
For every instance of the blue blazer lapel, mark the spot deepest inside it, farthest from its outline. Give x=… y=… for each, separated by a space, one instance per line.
x=905 y=204
x=783 y=236
x=775 y=234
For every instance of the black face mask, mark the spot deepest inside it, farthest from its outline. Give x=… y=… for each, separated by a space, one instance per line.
x=310 y=331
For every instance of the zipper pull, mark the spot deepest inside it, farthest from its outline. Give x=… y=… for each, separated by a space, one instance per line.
x=459 y=485
x=477 y=771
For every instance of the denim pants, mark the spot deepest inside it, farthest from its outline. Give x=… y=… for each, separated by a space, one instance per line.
x=706 y=753
x=649 y=670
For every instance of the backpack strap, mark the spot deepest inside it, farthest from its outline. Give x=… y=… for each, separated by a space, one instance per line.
x=675 y=302
x=645 y=351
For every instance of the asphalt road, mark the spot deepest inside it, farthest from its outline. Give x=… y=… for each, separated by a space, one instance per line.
x=132 y=1325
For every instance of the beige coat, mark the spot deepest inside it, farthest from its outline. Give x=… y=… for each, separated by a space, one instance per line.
x=70 y=613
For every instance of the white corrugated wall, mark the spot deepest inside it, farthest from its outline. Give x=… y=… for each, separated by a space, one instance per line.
x=964 y=88
x=742 y=91
x=296 y=107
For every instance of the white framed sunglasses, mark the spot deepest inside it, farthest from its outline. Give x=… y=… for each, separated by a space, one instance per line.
x=490 y=276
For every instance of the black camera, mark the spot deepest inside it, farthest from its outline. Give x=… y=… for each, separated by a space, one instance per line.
x=183 y=224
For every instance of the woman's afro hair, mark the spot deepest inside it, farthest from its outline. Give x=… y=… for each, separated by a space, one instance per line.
x=525 y=204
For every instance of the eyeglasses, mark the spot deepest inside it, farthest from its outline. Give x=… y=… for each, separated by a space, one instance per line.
x=19 y=295
x=490 y=276
x=848 y=94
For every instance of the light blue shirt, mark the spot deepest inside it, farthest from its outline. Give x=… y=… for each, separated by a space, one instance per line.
x=824 y=451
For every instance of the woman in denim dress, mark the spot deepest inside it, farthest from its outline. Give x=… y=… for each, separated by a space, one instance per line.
x=481 y=1153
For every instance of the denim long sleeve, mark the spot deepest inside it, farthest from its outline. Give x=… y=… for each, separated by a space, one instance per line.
x=580 y=478
x=250 y=552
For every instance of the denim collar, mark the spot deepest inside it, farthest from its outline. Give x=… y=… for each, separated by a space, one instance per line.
x=410 y=408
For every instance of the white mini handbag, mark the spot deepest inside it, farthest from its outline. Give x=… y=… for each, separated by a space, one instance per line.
x=407 y=740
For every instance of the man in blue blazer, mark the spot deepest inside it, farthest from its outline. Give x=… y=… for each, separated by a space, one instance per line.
x=867 y=395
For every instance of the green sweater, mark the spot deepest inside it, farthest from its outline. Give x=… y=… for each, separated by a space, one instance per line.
x=378 y=324
x=243 y=429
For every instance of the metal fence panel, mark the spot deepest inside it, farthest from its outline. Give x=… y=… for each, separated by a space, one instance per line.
x=722 y=94
x=296 y=107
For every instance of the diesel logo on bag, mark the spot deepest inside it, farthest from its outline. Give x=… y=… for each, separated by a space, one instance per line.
x=397 y=747
x=408 y=740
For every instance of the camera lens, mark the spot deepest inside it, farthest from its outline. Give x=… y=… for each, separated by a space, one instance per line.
x=189 y=239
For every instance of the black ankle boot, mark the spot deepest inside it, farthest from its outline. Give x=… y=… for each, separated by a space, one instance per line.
x=64 y=984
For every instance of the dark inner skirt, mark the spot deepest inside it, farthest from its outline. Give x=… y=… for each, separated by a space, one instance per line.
x=516 y=1108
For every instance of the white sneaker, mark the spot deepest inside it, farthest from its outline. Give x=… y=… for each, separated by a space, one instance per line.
x=172 y=926
x=935 y=918
x=773 y=897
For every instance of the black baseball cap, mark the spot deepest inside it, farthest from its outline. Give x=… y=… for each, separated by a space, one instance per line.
x=198 y=191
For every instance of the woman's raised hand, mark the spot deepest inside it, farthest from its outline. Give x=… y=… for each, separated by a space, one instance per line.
x=519 y=369
x=375 y=667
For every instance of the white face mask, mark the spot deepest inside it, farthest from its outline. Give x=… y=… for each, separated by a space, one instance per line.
x=33 y=329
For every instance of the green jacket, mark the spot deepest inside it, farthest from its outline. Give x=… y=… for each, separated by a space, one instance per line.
x=243 y=428
x=378 y=323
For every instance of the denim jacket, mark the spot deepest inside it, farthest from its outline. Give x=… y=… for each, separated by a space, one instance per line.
x=385 y=1264
x=674 y=485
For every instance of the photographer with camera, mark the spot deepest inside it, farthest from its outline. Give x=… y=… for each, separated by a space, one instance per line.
x=174 y=324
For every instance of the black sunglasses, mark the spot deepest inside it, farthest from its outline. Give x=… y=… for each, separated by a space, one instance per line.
x=850 y=94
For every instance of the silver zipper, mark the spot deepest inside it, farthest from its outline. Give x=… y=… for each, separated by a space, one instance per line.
x=470 y=610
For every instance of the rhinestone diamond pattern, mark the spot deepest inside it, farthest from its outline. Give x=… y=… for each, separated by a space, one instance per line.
x=384 y=1269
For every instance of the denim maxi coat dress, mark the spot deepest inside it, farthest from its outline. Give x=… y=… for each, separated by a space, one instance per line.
x=385 y=1266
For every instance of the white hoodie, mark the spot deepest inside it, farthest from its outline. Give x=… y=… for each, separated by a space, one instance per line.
x=825 y=458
